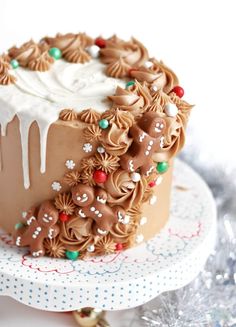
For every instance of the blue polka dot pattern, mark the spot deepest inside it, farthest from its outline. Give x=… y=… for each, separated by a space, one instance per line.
x=128 y=279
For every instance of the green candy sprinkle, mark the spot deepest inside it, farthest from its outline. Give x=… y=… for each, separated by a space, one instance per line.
x=103 y=123
x=162 y=167
x=55 y=53
x=72 y=255
x=19 y=226
x=130 y=83
x=14 y=63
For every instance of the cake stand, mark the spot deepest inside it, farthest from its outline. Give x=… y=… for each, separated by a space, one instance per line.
x=126 y=279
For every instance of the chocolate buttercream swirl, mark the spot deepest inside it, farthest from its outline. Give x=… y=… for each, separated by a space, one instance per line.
x=77 y=56
x=87 y=165
x=68 y=115
x=72 y=46
x=27 y=52
x=6 y=78
x=174 y=137
x=89 y=116
x=134 y=213
x=54 y=247
x=122 y=119
x=121 y=233
x=4 y=64
x=123 y=191
x=135 y=100
x=183 y=106
x=92 y=133
x=161 y=98
x=42 y=63
x=158 y=74
x=118 y=68
x=63 y=202
x=116 y=140
x=133 y=52
x=144 y=74
x=72 y=178
x=106 y=162
x=105 y=245
x=76 y=233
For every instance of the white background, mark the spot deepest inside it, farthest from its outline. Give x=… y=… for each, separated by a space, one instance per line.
x=196 y=38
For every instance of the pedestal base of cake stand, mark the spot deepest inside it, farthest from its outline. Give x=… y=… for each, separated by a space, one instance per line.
x=127 y=279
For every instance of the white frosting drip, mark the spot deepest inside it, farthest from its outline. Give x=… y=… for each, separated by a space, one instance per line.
x=40 y=96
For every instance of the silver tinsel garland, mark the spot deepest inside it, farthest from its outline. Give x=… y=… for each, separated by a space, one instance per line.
x=210 y=300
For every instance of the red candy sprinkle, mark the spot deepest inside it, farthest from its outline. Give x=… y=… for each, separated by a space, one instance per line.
x=63 y=217
x=152 y=184
x=99 y=176
x=119 y=247
x=100 y=42
x=179 y=91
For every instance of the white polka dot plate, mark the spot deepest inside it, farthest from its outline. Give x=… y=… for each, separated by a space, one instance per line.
x=126 y=279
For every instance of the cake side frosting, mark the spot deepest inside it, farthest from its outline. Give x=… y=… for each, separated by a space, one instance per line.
x=130 y=119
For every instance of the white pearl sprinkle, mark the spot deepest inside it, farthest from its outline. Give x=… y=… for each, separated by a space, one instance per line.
x=91 y=248
x=24 y=214
x=93 y=51
x=153 y=200
x=139 y=238
x=171 y=110
x=154 y=88
x=100 y=149
x=135 y=177
x=126 y=220
x=148 y=64
x=143 y=221
x=92 y=209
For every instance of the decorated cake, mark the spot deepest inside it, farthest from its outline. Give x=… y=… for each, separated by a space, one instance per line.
x=89 y=131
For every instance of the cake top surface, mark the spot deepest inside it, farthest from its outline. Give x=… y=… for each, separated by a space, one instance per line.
x=74 y=77
x=65 y=85
x=71 y=71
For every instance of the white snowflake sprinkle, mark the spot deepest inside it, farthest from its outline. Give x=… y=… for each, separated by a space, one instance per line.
x=87 y=147
x=56 y=186
x=70 y=164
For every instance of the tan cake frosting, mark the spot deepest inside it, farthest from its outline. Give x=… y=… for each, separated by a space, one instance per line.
x=89 y=129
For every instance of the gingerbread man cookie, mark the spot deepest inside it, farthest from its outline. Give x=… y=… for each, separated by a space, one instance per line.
x=40 y=224
x=92 y=204
x=147 y=139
